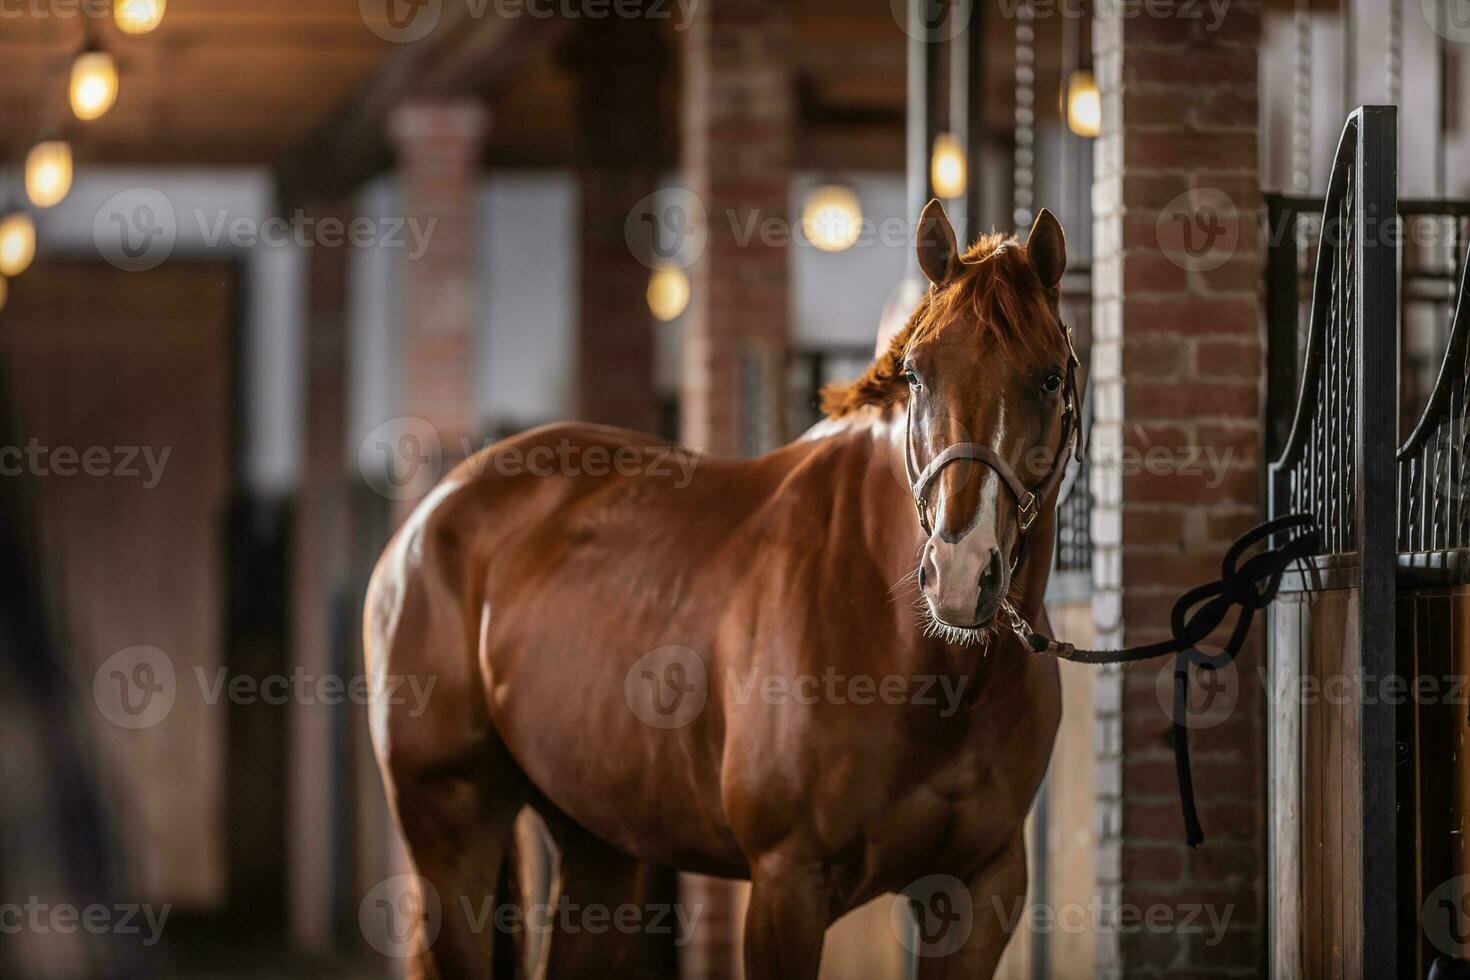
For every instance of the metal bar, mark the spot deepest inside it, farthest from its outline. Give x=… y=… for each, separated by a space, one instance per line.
x=1408 y=207
x=960 y=117
x=1281 y=327
x=974 y=38
x=917 y=131
x=1442 y=78
x=1375 y=297
x=935 y=122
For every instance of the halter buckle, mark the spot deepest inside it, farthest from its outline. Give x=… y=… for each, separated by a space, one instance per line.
x=1015 y=622
x=1026 y=511
x=922 y=506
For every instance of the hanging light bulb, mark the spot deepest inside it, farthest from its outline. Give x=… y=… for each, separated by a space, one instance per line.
x=1084 y=105
x=48 y=173
x=93 y=83
x=17 y=243
x=947 y=167
x=832 y=218
x=668 y=293
x=138 y=16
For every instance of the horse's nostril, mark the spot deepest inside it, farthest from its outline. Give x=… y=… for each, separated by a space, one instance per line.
x=923 y=576
x=990 y=578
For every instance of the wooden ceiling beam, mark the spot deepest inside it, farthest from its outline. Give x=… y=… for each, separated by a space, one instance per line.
x=463 y=55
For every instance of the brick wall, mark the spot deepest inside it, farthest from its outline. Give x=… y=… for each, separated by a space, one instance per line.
x=738 y=110
x=1176 y=364
x=438 y=148
x=620 y=67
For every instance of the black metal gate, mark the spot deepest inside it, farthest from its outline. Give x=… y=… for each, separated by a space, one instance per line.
x=1334 y=849
x=1369 y=791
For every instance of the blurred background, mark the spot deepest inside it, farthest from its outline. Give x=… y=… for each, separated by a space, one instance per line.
x=270 y=267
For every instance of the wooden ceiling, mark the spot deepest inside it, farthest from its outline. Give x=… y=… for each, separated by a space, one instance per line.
x=251 y=82
x=218 y=82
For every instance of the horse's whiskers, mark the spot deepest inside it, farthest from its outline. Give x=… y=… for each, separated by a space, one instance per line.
x=962 y=636
x=911 y=577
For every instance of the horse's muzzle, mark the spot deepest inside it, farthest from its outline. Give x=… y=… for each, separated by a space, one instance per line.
x=964 y=582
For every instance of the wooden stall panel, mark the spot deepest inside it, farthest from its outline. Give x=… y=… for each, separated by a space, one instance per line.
x=1289 y=623
x=1436 y=653
x=137 y=364
x=1457 y=756
x=1330 y=787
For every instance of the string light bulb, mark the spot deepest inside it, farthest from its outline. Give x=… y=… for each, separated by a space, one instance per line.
x=48 y=173
x=947 y=167
x=832 y=218
x=1084 y=105
x=668 y=293
x=17 y=243
x=93 y=83
x=138 y=16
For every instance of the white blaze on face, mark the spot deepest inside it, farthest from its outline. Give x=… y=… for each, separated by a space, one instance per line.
x=987 y=513
x=953 y=570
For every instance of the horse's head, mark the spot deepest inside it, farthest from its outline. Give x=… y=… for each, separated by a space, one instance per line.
x=991 y=399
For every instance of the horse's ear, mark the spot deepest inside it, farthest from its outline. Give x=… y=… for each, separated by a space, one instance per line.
x=1047 y=248
x=939 y=256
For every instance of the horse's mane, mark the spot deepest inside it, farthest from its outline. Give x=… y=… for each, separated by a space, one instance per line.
x=995 y=285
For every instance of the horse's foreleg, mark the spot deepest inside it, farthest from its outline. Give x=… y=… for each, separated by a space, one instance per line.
x=997 y=891
x=787 y=919
x=605 y=916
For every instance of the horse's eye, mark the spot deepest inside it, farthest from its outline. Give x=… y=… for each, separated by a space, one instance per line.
x=911 y=378
x=1052 y=384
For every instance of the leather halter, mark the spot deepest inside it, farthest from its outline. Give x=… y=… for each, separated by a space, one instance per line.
x=1028 y=502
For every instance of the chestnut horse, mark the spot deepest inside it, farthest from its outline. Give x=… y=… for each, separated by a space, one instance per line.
x=611 y=648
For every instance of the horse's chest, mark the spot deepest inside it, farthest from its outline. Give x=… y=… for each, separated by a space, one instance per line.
x=948 y=815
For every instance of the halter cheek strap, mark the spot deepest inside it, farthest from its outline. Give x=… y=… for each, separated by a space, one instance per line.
x=1027 y=501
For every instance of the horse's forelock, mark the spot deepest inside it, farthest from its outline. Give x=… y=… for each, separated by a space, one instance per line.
x=995 y=287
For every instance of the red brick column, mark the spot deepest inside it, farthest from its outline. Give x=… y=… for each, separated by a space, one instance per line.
x=1177 y=368
x=738 y=108
x=438 y=147
x=620 y=65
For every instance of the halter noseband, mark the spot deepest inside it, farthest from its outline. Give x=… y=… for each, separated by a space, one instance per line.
x=1028 y=502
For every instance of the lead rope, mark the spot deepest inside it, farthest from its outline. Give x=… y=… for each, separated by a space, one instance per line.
x=1196 y=615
